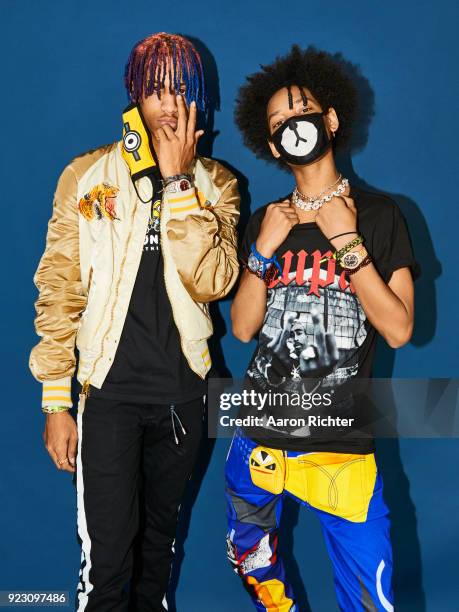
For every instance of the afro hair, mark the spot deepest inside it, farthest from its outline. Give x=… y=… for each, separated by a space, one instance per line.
x=322 y=73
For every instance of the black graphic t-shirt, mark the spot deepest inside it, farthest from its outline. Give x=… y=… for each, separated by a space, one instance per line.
x=315 y=328
x=149 y=365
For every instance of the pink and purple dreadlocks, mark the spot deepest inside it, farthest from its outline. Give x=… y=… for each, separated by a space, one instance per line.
x=150 y=58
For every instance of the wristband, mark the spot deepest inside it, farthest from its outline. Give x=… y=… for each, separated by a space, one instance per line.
x=343 y=234
x=258 y=264
x=177 y=177
x=54 y=409
x=177 y=183
x=347 y=247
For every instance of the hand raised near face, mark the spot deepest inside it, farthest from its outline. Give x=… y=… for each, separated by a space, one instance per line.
x=177 y=149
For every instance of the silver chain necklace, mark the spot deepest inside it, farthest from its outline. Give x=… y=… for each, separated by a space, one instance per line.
x=315 y=202
x=311 y=198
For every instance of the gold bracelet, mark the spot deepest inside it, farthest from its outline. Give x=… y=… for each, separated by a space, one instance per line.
x=54 y=409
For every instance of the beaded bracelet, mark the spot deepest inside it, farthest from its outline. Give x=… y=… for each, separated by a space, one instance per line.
x=270 y=273
x=362 y=264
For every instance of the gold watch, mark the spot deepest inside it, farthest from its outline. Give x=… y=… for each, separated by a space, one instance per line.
x=352 y=259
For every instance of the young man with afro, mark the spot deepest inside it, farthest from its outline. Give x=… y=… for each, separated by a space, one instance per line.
x=326 y=270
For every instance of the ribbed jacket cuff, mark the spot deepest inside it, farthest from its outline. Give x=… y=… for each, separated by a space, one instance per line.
x=57 y=392
x=183 y=203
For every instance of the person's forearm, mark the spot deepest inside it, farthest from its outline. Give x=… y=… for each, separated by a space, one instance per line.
x=203 y=243
x=205 y=256
x=391 y=317
x=249 y=307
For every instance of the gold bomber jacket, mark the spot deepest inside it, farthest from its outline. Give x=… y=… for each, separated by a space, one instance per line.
x=87 y=272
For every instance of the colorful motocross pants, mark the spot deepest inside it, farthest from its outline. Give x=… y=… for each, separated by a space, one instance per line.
x=345 y=492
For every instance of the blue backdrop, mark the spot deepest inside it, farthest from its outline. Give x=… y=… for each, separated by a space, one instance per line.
x=62 y=95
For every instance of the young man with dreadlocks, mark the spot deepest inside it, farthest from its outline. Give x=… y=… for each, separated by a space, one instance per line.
x=141 y=238
x=327 y=269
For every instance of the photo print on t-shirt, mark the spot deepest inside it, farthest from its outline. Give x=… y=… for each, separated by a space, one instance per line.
x=311 y=330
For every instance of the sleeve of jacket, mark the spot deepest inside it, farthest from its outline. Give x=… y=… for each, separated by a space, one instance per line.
x=61 y=299
x=204 y=242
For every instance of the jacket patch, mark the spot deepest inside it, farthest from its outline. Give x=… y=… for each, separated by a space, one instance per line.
x=99 y=202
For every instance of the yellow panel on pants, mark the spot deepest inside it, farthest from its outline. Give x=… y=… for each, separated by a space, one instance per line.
x=337 y=483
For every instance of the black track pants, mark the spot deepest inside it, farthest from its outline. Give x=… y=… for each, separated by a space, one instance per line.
x=122 y=446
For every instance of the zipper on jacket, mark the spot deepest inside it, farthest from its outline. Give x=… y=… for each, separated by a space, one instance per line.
x=85 y=389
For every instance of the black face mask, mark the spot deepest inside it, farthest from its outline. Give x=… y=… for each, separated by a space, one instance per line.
x=302 y=139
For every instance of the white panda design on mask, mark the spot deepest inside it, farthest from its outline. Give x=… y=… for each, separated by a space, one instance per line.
x=299 y=138
x=302 y=139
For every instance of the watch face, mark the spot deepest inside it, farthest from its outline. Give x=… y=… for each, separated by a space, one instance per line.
x=351 y=260
x=253 y=263
x=184 y=185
